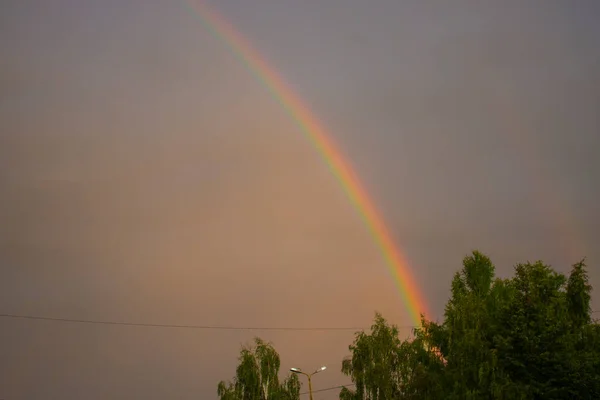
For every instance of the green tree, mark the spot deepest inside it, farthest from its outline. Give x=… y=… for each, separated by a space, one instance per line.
x=422 y=364
x=527 y=337
x=374 y=363
x=466 y=335
x=547 y=337
x=257 y=377
x=383 y=367
x=579 y=294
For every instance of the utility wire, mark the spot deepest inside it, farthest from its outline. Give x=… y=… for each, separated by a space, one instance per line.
x=32 y=317
x=328 y=389
x=199 y=327
x=204 y=327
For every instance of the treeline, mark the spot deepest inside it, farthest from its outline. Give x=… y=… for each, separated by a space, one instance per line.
x=528 y=337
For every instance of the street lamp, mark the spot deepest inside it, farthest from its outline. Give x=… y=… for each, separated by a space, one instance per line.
x=299 y=371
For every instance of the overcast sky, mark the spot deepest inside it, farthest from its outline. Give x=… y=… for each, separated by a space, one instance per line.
x=147 y=176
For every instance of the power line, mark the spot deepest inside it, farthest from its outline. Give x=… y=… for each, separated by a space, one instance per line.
x=328 y=389
x=204 y=327
x=199 y=327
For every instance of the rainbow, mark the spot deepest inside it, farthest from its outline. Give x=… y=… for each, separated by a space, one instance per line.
x=322 y=141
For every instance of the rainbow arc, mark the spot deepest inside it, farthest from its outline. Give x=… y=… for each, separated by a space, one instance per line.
x=322 y=141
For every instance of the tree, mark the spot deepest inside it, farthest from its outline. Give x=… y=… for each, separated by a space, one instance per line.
x=522 y=338
x=383 y=367
x=546 y=341
x=374 y=363
x=257 y=377
x=528 y=337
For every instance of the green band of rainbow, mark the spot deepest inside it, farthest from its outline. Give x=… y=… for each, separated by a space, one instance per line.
x=317 y=134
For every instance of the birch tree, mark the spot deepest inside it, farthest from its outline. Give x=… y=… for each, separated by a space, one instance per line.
x=257 y=376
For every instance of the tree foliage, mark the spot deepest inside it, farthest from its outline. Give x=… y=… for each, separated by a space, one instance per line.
x=374 y=364
x=257 y=377
x=528 y=337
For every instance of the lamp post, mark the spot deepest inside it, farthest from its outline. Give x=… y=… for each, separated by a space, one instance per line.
x=299 y=371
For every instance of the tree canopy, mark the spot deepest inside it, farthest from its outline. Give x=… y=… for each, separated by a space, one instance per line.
x=257 y=376
x=527 y=337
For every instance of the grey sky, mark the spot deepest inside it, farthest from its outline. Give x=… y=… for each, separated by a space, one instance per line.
x=146 y=176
